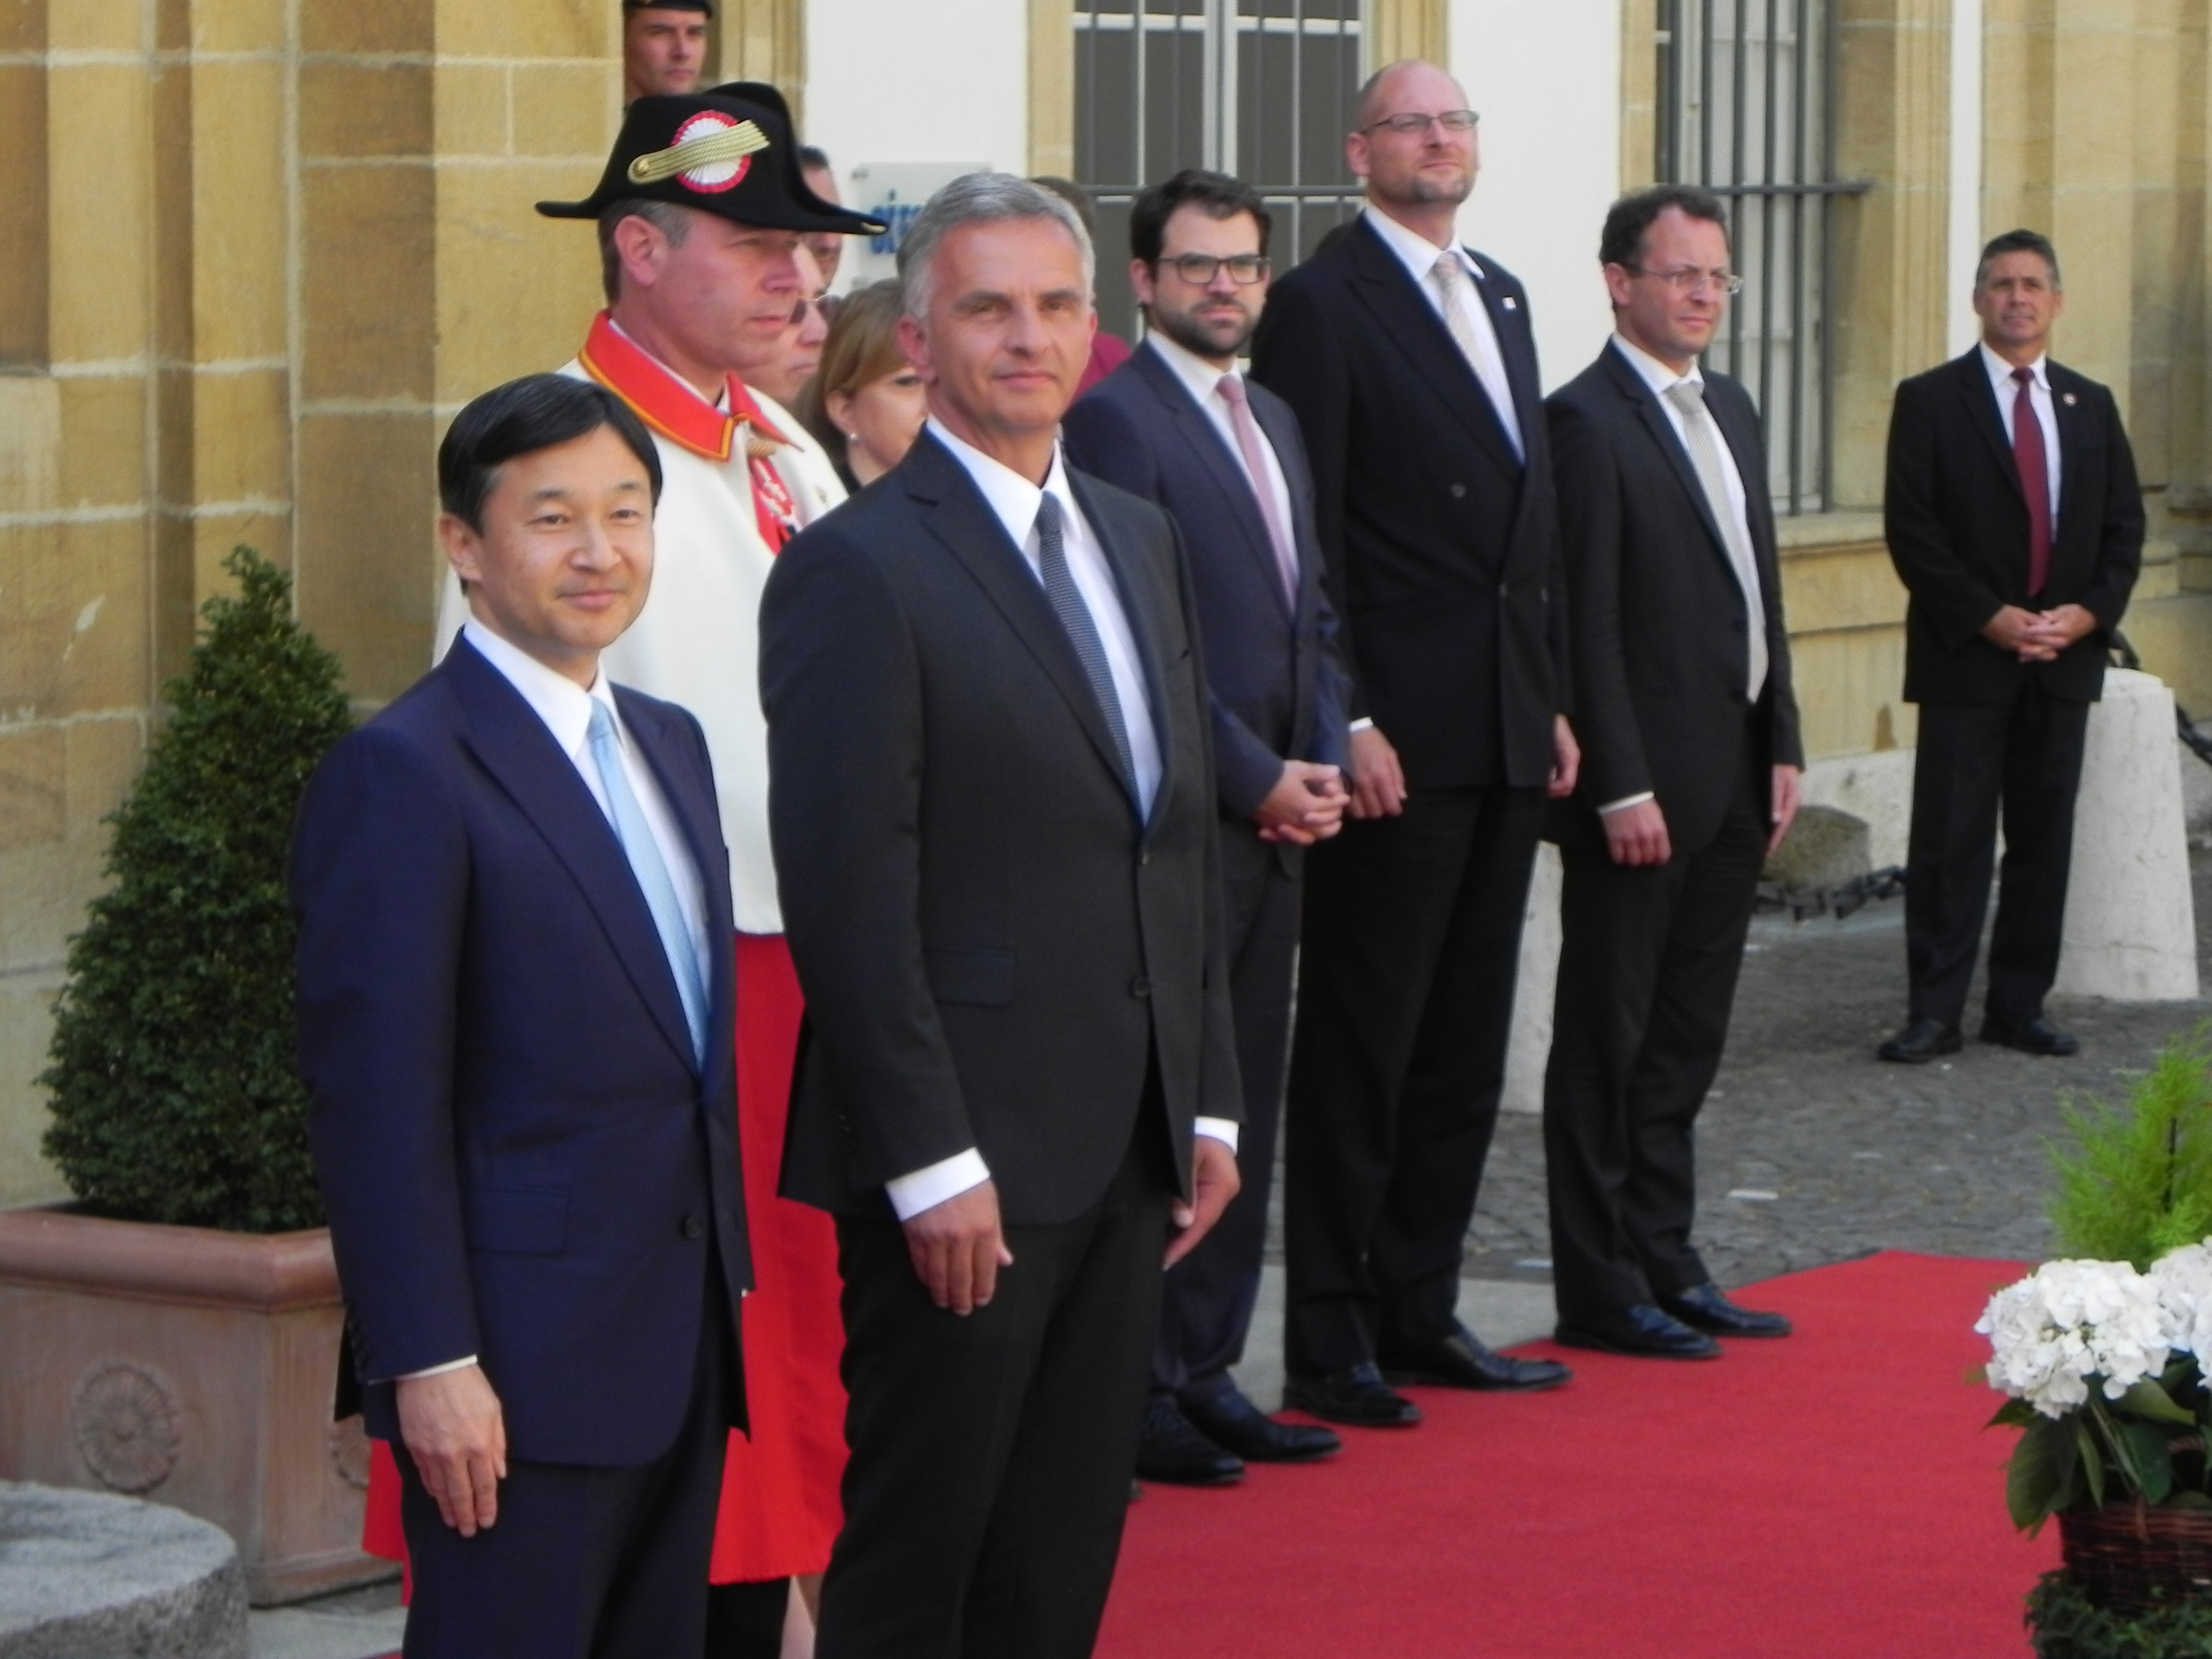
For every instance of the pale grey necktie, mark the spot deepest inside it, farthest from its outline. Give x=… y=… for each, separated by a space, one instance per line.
x=651 y=873
x=1477 y=344
x=1233 y=394
x=1081 y=631
x=1703 y=439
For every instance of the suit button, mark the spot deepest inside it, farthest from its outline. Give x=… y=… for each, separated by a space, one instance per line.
x=1504 y=590
x=1140 y=988
x=695 y=1226
x=1458 y=490
x=1145 y=857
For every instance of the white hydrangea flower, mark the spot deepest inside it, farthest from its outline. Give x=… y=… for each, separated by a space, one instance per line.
x=2069 y=1323
x=2183 y=1279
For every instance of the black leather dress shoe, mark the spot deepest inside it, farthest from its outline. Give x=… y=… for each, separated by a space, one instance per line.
x=2037 y=1037
x=1921 y=1042
x=1641 y=1332
x=1357 y=1396
x=1460 y=1360
x=1703 y=1308
x=1169 y=1451
x=1233 y=1423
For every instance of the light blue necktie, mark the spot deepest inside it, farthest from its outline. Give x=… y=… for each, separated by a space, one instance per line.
x=651 y=873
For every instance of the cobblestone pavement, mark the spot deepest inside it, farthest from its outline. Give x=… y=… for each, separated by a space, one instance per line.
x=1812 y=1152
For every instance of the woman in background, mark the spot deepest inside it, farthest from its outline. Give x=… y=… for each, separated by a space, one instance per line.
x=866 y=404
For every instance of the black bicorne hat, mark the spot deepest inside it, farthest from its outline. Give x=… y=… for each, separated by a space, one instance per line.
x=707 y=6
x=728 y=151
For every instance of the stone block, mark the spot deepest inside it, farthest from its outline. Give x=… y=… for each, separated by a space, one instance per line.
x=31 y=457
x=33 y=793
x=1877 y=789
x=339 y=26
x=367 y=533
x=2174 y=636
x=236 y=25
x=566 y=109
x=240 y=228
x=528 y=29
x=1825 y=589
x=96 y=28
x=103 y=763
x=516 y=291
x=97 y=631
x=241 y=435
x=364 y=109
x=102 y=452
x=1824 y=848
x=1528 y=1050
x=471 y=104
x=215 y=536
x=1848 y=685
x=85 y=1573
x=27 y=1003
x=2130 y=923
x=25 y=273
x=367 y=292
x=22 y=26
x=100 y=130
x=45 y=888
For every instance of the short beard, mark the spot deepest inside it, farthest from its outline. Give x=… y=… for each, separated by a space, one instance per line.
x=1186 y=333
x=1420 y=190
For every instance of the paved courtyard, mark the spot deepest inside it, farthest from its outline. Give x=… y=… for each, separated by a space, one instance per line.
x=1812 y=1152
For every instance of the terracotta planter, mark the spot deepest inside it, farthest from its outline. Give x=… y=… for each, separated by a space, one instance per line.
x=194 y=1368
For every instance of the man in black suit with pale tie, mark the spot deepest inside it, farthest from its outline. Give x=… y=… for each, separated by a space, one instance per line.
x=2015 y=521
x=1177 y=424
x=992 y=798
x=1691 y=766
x=1409 y=362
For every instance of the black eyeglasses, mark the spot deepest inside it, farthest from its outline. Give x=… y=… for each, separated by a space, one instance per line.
x=1198 y=269
x=1452 y=120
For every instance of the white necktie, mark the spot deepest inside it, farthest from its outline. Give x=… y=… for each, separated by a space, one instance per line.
x=1477 y=343
x=1703 y=440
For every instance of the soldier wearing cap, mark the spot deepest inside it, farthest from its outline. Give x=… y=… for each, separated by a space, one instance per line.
x=701 y=215
x=663 y=47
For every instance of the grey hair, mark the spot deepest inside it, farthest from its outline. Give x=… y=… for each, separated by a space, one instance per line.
x=981 y=198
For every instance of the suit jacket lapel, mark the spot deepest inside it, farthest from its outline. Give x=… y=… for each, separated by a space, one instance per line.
x=1981 y=400
x=1204 y=438
x=513 y=744
x=1510 y=329
x=957 y=515
x=1657 y=422
x=1416 y=330
x=662 y=741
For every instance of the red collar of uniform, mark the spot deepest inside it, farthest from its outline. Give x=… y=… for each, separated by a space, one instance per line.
x=663 y=401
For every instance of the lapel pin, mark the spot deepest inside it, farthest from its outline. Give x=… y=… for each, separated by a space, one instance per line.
x=2070 y=399
x=1511 y=304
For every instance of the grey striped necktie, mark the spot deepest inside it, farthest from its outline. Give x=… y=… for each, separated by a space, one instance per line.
x=1702 y=439
x=1081 y=631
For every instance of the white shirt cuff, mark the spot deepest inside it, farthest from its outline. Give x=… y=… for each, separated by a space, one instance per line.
x=1218 y=1128
x=925 y=1190
x=1625 y=803
x=1365 y=723
x=438 y=1370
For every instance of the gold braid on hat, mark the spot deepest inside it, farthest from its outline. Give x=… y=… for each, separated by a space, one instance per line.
x=723 y=144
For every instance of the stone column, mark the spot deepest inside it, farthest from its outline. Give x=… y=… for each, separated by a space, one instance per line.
x=2130 y=924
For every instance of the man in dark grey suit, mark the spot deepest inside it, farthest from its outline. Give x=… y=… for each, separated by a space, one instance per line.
x=992 y=800
x=1179 y=425
x=1690 y=764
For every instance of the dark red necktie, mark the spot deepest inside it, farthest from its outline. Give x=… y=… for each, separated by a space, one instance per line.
x=2028 y=454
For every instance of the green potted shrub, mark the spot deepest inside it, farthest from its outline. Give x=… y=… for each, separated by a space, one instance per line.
x=2105 y=1355
x=175 y=1332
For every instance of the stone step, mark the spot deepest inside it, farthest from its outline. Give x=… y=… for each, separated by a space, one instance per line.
x=88 y=1575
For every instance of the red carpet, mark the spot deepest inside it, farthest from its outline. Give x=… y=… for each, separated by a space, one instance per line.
x=1827 y=1497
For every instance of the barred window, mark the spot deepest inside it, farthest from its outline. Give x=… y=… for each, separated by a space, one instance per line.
x=1260 y=88
x=1745 y=110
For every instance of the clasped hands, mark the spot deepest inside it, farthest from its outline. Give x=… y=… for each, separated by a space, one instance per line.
x=958 y=1248
x=2038 y=635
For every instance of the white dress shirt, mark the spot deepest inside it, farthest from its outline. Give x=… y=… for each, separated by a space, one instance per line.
x=2039 y=399
x=1014 y=500
x=1203 y=381
x=1419 y=256
x=566 y=708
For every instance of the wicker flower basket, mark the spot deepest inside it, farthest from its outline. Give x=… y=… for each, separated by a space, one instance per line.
x=2129 y=1558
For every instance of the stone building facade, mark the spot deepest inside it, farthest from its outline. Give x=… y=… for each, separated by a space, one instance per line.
x=260 y=250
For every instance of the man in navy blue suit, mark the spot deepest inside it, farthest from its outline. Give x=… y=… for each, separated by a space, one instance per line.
x=1178 y=425
x=516 y=1000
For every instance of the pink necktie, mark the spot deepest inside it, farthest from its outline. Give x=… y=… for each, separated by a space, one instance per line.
x=1231 y=388
x=2028 y=454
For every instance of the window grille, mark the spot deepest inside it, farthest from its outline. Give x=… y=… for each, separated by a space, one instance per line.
x=1260 y=89
x=1745 y=110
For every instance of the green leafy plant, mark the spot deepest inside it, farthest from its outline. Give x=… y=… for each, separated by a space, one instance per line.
x=174 y=1090
x=2063 y=1623
x=2137 y=1181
